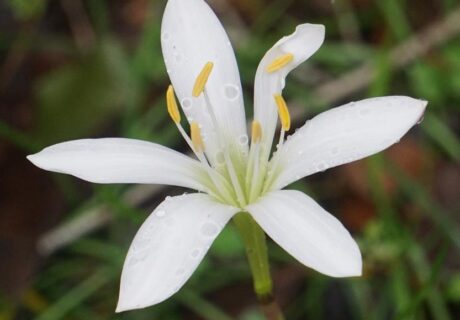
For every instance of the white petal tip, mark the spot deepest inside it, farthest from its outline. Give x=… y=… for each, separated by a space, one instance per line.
x=418 y=106
x=122 y=307
x=35 y=159
x=422 y=106
x=348 y=272
x=42 y=161
x=352 y=269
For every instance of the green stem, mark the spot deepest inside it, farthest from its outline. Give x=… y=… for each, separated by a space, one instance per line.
x=256 y=252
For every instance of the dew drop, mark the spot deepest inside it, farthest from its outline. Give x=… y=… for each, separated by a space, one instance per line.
x=421 y=119
x=231 y=92
x=209 y=229
x=220 y=157
x=133 y=261
x=160 y=213
x=387 y=142
x=180 y=271
x=165 y=36
x=243 y=139
x=321 y=166
x=186 y=103
x=300 y=153
x=196 y=253
x=169 y=222
x=364 y=112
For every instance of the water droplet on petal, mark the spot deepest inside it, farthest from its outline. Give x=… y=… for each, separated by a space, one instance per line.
x=243 y=139
x=209 y=229
x=133 y=261
x=364 y=112
x=220 y=158
x=231 y=92
x=160 y=213
x=186 y=103
x=169 y=222
x=180 y=271
x=196 y=253
x=165 y=36
x=322 y=166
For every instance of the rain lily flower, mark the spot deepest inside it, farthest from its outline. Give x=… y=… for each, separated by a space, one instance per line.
x=231 y=173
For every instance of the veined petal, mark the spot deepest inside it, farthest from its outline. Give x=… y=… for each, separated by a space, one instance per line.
x=192 y=36
x=345 y=134
x=302 y=44
x=119 y=160
x=168 y=248
x=307 y=232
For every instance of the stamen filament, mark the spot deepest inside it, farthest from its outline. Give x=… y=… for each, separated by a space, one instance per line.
x=197 y=145
x=202 y=79
x=255 y=172
x=280 y=62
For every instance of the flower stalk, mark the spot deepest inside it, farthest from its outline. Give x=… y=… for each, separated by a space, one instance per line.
x=256 y=251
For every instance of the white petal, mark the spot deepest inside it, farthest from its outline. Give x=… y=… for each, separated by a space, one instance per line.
x=168 y=248
x=303 y=43
x=307 y=232
x=118 y=160
x=192 y=36
x=347 y=133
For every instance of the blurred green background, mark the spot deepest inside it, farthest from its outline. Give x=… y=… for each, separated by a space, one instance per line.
x=93 y=68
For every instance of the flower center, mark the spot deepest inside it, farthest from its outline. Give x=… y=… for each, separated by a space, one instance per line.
x=242 y=178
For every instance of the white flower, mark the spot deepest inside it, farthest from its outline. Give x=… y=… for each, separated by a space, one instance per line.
x=230 y=175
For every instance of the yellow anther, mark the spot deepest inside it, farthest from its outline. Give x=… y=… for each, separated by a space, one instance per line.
x=256 y=131
x=202 y=79
x=173 y=110
x=280 y=62
x=283 y=112
x=197 y=140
